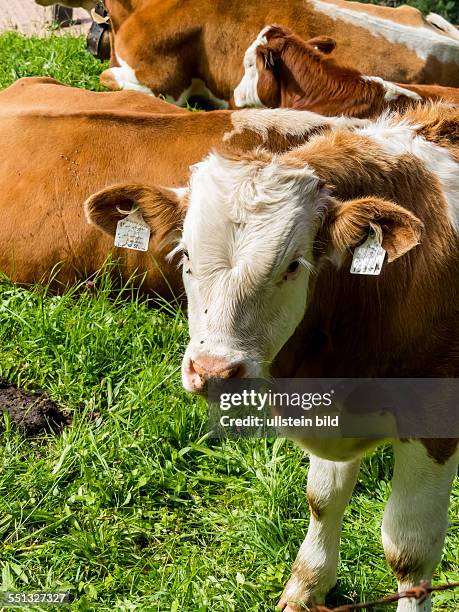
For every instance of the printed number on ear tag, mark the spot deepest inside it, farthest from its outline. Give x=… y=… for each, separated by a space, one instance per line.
x=132 y=233
x=368 y=257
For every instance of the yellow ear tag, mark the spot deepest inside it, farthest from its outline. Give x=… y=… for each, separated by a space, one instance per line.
x=132 y=232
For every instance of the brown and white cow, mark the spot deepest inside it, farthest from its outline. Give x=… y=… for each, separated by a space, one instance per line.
x=267 y=244
x=63 y=145
x=283 y=70
x=194 y=47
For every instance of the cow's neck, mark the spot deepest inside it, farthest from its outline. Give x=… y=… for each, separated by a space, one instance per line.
x=401 y=323
x=320 y=85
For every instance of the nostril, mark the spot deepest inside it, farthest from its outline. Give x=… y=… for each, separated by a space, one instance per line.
x=237 y=371
x=196 y=376
x=196 y=368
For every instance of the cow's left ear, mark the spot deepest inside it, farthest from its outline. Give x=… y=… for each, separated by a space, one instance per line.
x=325 y=44
x=350 y=222
x=163 y=209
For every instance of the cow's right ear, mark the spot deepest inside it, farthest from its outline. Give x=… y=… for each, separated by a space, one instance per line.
x=163 y=209
x=324 y=44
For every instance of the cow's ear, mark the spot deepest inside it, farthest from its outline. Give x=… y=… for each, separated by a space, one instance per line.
x=350 y=222
x=267 y=55
x=325 y=44
x=163 y=209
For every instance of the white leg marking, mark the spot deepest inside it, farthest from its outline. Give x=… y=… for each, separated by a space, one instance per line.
x=198 y=89
x=424 y=41
x=392 y=91
x=330 y=486
x=416 y=517
x=124 y=75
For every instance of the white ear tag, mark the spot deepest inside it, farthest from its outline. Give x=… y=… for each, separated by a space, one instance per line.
x=368 y=257
x=132 y=233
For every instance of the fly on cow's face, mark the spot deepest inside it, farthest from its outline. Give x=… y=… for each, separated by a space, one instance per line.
x=186 y=262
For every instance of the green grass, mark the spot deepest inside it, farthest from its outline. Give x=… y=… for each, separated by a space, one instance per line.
x=447 y=8
x=63 y=58
x=133 y=507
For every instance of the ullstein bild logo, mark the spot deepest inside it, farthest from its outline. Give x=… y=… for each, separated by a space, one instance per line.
x=365 y=408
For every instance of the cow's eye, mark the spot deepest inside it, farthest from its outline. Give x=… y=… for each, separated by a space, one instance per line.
x=186 y=262
x=292 y=270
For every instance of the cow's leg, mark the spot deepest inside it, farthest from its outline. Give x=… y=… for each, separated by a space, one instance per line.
x=330 y=485
x=416 y=517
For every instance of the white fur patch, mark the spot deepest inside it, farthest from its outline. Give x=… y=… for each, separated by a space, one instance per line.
x=424 y=41
x=392 y=91
x=180 y=192
x=401 y=138
x=245 y=223
x=198 y=89
x=246 y=93
x=286 y=121
x=125 y=77
x=445 y=26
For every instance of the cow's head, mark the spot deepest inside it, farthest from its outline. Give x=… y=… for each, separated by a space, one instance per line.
x=250 y=243
x=261 y=84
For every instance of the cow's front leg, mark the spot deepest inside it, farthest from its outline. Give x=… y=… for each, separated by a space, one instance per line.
x=330 y=485
x=416 y=515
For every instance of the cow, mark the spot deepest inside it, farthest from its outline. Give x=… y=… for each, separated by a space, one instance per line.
x=63 y=145
x=283 y=70
x=194 y=47
x=89 y=5
x=266 y=248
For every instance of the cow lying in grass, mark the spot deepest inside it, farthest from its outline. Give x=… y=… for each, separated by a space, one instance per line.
x=253 y=219
x=283 y=70
x=82 y=143
x=194 y=47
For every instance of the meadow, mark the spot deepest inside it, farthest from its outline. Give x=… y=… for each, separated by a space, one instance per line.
x=133 y=506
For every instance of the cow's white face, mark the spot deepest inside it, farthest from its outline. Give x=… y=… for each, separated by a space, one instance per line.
x=246 y=93
x=247 y=242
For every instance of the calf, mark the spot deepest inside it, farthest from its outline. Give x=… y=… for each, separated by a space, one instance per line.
x=283 y=70
x=267 y=245
x=84 y=145
x=168 y=48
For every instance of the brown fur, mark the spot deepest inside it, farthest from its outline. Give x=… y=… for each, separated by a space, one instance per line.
x=405 y=567
x=167 y=43
x=295 y=73
x=408 y=314
x=62 y=145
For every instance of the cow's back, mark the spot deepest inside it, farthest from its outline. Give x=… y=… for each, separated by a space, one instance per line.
x=56 y=155
x=395 y=44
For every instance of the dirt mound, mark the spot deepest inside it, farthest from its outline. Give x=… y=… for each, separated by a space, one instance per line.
x=32 y=412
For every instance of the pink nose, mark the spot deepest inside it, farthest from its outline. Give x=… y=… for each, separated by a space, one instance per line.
x=206 y=368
